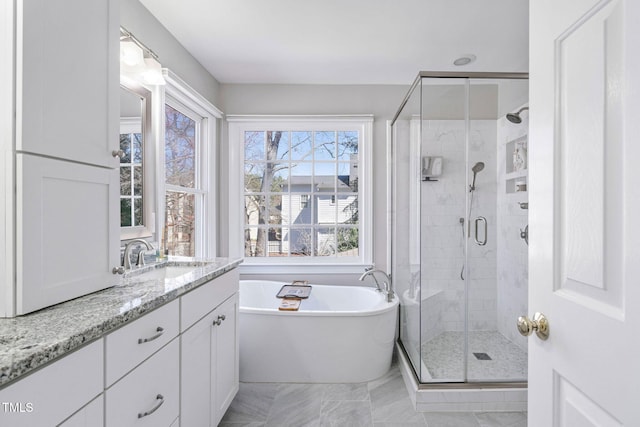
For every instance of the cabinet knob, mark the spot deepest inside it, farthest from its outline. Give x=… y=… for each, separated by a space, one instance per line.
x=117 y=153
x=219 y=320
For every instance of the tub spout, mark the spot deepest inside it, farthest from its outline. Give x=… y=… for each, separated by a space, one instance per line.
x=386 y=286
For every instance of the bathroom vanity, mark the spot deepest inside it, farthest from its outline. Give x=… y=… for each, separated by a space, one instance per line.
x=159 y=349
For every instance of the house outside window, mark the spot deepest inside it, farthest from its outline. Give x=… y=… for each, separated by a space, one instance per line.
x=305 y=189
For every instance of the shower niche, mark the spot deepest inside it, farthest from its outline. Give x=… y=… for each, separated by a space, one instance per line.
x=516 y=166
x=458 y=268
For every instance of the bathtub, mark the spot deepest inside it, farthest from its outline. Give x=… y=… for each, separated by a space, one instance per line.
x=340 y=334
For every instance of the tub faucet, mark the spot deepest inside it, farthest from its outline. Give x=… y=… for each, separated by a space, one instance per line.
x=386 y=287
x=126 y=262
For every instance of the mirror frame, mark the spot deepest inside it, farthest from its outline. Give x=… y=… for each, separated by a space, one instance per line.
x=148 y=163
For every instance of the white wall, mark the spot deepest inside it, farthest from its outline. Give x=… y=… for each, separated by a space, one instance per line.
x=379 y=100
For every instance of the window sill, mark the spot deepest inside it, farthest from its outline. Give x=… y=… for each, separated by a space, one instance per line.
x=280 y=269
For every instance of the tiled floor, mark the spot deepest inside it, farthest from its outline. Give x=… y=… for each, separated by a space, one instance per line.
x=380 y=403
x=443 y=357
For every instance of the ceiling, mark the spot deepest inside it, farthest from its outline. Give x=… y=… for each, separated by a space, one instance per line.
x=346 y=41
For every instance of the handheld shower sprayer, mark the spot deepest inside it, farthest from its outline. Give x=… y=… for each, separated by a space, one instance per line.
x=475 y=169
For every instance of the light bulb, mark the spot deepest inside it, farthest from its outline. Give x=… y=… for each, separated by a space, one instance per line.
x=130 y=53
x=152 y=73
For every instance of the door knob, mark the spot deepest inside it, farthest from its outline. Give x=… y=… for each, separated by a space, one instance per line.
x=539 y=324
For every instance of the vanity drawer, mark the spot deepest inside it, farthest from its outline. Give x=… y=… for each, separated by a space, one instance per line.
x=200 y=301
x=149 y=395
x=132 y=344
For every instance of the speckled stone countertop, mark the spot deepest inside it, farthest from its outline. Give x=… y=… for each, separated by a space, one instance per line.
x=30 y=341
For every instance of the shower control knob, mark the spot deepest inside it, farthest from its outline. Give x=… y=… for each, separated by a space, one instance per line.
x=539 y=324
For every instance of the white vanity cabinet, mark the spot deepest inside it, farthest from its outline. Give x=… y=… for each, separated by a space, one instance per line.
x=49 y=396
x=176 y=365
x=68 y=86
x=209 y=349
x=59 y=128
x=67 y=230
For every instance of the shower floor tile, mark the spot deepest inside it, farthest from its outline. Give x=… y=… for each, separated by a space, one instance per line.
x=443 y=357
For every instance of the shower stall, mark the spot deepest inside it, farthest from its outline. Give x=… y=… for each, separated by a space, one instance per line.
x=459 y=217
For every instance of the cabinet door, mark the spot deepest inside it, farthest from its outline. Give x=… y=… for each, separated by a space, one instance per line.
x=195 y=380
x=53 y=393
x=67 y=227
x=225 y=380
x=68 y=79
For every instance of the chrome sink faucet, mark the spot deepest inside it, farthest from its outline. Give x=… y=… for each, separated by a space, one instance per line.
x=126 y=262
x=386 y=286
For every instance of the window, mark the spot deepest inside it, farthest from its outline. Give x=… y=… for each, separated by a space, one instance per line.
x=131 y=175
x=305 y=197
x=187 y=172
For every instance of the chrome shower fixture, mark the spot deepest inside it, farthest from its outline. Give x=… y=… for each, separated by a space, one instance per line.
x=515 y=117
x=475 y=169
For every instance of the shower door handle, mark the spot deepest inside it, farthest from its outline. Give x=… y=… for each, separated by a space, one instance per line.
x=484 y=240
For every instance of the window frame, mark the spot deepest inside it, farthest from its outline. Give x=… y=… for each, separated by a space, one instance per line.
x=177 y=93
x=237 y=126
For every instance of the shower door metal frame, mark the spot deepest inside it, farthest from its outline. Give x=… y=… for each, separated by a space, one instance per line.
x=465 y=76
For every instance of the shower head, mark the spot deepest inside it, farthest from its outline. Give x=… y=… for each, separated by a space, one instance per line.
x=515 y=117
x=475 y=169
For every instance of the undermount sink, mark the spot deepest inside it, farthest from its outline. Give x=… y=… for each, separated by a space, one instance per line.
x=168 y=272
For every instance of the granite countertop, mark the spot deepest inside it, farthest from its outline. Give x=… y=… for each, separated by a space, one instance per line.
x=30 y=341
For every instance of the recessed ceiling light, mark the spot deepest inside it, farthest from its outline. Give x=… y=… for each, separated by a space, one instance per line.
x=464 y=60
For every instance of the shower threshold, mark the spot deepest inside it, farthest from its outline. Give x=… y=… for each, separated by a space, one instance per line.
x=461 y=396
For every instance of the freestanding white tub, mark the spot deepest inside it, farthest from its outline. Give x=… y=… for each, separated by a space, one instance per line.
x=340 y=334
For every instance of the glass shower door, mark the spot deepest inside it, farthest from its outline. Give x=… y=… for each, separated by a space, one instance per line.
x=441 y=232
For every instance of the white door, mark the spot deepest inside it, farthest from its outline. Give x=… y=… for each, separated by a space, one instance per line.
x=584 y=207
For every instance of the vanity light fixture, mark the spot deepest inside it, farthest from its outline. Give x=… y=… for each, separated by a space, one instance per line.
x=137 y=61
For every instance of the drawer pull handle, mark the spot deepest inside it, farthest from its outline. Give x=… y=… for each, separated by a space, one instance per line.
x=159 y=331
x=160 y=399
x=220 y=319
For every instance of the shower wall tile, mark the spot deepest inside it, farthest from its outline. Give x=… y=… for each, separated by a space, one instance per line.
x=443 y=236
x=512 y=259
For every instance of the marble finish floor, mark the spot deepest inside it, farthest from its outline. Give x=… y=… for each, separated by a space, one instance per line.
x=380 y=403
x=443 y=357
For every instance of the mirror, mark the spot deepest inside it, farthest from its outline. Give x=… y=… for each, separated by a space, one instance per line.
x=136 y=163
